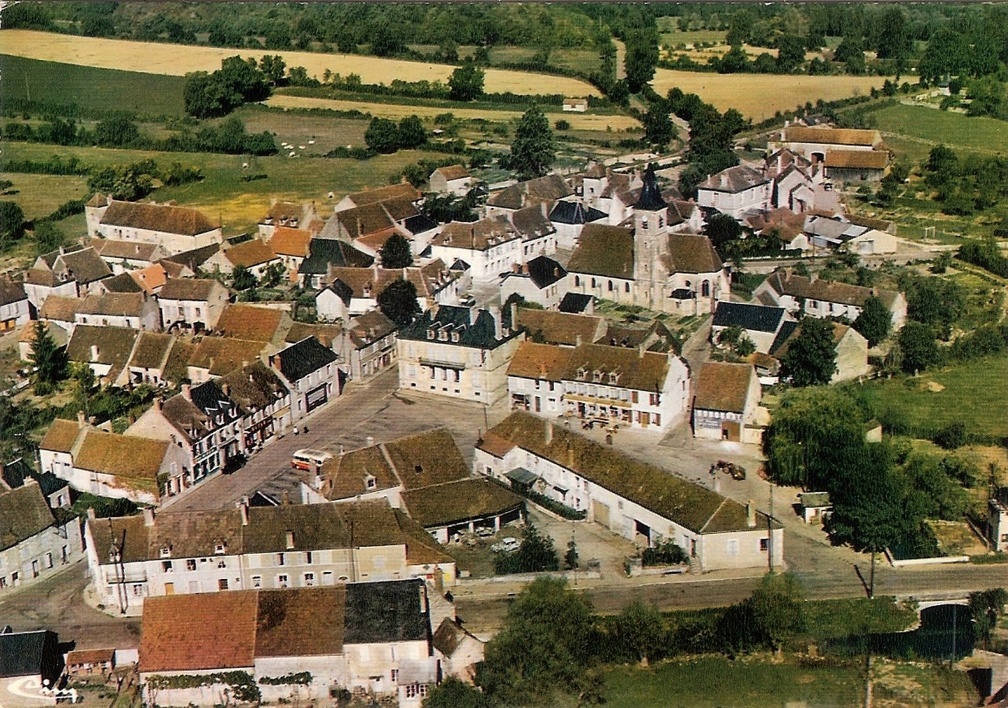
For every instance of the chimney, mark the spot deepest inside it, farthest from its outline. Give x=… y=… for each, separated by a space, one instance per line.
x=148 y=514
x=640 y=350
x=81 y=420
x=370 y=441
x=514 y=315
x=341 y=450
x=94 y=352
x=225 y=388
x=91 y=514
x=750 y=512
x=498 y=324
x=577 y=340
x=549 y=431
x=157 y=403
x=289 y=540
x=187 y=391
x=243 y=506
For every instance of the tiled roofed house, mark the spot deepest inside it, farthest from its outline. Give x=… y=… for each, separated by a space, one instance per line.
x=401 y=191
x=452 y=179
x=367 y=227
x=291 y=246
x=176 y=229
x=201 y=422
x=324 y=254
x=194 y=305
x=634 y=499
x=312 y=374
x=759 y=323
x=426 y=475
x=248 y=547
x=122 y=256
x=354 y=291
x=124 y=283
x=68 y=272
x=542 y=192
x=376 y=639
x=371 y=345
x=457 y=352
x=816 y=142
x=490 y=246
x=540 y=280
x=111 y=465
x=34 y=543
x=288 y=215
x=562 y=328
x=149 y=360
x=736 y=191
x=106 y=350
x=253 y=255
x=132 y=310
x=537 y=233
x=14 y=310
x=219 y=356
x=605 y=384
x=613 y=193
x=826 y=298
x=268 y=325
x=725 y=403
x=61 y=311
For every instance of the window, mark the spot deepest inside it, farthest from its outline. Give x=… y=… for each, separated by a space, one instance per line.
x=705 y=288
x=137 y=590
x=3 y=581
x=35 y=572
x=166 y=551
x=257 y=581
x=282 y=581
x=308 y=557
x=610 y=286
x=394 y=675
x=593 y=282
x=733 y=547
x=181 y=311
x=370 y=482
x=626 y=287
x=577 y=281
x=222 y=584
x=166 y=566
x=654 y=399
x=633 y=396
x=220 y=548
x=190 y=564
x=309 y=579
x=198 y=313
x=764 y=544
x=280 y=558
x=416 y=690
x=48 y=560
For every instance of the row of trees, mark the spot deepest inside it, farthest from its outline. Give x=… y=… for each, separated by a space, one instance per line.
x=967 y=184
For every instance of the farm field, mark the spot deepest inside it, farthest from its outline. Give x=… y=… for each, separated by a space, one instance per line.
x=759 y=96
x=90 y=88
x=40 y=195
x=222 y=195
x=964 y=388
x=326 y=132
x=916 y=123
x=578 y=121
x=178 y=60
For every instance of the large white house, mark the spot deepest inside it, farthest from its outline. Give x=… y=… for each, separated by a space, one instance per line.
x=192 y=304
x=246 y=547
x=736 y=191
x=596 y=382
x=826 y=298
x=634 y=499
x=176 y=229
x=724 y=407
x=490 y=246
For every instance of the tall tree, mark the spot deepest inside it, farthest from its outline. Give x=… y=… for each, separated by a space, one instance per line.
x=790 y=52
x=874 y=321
x=242 y=278
x=398 y=302
x=466 y=82
x=658 y=128
x=810 y=359
x=382 y=135
x=49 y=360
x=396 y=252
x=12 y=222
x=777 y=609
x=918 y=347
x=641 y=59
x=533 y=150
x=411 y=133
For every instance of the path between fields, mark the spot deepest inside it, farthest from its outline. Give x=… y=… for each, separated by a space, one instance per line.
x=620 y=59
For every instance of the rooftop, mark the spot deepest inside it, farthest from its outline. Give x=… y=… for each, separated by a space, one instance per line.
x=751 y=317
x=604 y=250
x=692 y=253
x=723 y=387
x=249 y=254
x=24 y=513
x=560 y=327
x=253 y=322
x=303 y=358
x=157 y=217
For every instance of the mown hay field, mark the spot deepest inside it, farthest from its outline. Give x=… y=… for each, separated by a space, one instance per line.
x=578 y=121
x=178 y=60
x=931 y=127
x=41 y=195
x=759 y=96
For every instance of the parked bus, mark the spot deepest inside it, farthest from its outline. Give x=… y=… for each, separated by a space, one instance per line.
x=309 y=459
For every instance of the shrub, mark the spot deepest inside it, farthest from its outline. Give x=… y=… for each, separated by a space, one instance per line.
x=535 y=554
x=664 y=553
x=952 y=436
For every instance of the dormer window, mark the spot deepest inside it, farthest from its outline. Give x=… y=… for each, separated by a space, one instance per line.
x=644 y=223
x=430 y=334
x=442 y=336
x=220 y=547
x=596 y=376
x=582 y=373
x=370 y=482
x=455 y=336
x=166 y=551
x=614 y=377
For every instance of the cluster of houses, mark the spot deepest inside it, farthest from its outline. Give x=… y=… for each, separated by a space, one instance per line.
x=239 y=591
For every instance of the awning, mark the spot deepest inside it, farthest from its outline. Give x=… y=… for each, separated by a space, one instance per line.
x=520 y=475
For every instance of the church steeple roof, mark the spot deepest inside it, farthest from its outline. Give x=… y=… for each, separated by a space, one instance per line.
x=650 y=198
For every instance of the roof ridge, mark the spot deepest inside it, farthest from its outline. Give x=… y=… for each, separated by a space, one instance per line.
x=724 y=500
x=390 y=463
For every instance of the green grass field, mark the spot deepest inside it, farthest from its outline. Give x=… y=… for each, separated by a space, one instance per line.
x=916 y=124
x=40 y=195
x=974 y=392
x=222 y=194
x=91 y=88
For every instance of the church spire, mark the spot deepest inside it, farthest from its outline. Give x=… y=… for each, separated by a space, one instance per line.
x=650 y=197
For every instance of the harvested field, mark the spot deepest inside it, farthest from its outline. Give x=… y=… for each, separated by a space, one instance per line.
x=759 y=96
x=177 y=60
x=578 y=121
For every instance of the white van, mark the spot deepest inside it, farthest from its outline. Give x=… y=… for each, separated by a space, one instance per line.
x=309 y=459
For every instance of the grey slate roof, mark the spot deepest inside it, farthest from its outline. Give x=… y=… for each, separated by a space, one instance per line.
x=196 y=257
x=325 y=251
x=545 y=271
x=301 y=359
x=574 y=213
x=389 y=611
x=29 y=654
x=575 y=303
x=479 y=333
x=650 y=196
x=419 y=223
x=752 y=317
x=786 y=330
x=16 y=472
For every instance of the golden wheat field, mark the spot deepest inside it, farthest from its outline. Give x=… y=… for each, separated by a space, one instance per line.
x=177 y=60
x=759 y=96
x=578 y=121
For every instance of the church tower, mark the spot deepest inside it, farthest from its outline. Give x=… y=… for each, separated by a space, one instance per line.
x=650 y=243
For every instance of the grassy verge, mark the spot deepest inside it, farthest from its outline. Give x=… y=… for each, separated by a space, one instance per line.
x=835 y=619
x=40 y=195
x=93 y=89
x=976 y=133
